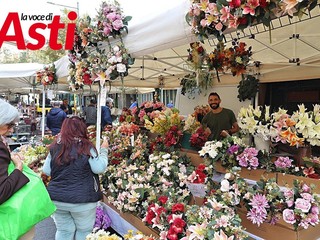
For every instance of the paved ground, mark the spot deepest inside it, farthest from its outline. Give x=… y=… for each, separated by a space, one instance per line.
x=45 y=230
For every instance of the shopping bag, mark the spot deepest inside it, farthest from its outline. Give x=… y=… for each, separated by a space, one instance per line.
x=28 y=206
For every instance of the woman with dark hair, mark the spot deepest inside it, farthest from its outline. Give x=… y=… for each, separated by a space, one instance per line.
x=74 y=164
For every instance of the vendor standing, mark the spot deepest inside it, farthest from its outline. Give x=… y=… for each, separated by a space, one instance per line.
x=66 y=107
x=221 y=121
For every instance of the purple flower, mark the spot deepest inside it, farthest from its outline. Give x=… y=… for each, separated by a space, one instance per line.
x=233 y=149
x=315 y=210
x=103 y=221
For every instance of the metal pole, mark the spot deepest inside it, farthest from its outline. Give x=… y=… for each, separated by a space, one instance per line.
x=43 y=110
x=98 y=126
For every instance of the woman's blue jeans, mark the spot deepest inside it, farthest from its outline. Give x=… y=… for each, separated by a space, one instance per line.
x=74 y=225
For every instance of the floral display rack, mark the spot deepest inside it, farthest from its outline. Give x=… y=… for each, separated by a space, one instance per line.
x=134 y=220
x=281 y=230
x=265 y=230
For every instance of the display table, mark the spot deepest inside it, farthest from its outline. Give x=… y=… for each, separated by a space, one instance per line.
x=281 y=230
x=122 y=222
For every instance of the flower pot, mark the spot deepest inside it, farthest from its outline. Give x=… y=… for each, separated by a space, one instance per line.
x=301 y=153
x=261 y=144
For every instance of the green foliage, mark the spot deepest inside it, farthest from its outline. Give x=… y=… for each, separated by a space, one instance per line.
x=248 y=88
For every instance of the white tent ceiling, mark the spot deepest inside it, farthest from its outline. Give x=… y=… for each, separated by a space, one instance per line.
x=159 y=44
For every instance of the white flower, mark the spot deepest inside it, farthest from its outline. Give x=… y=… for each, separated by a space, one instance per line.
x=121 y=68
x=225 y=185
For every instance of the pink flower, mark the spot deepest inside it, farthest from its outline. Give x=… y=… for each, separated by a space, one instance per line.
x=111 y=16
x=303 y=205
x=307 y=196
x=306 y=188
x=117 y=24
x=288 y=216
x=289 y=203
x=315 y=210
x=250 y=7
x=283 y=162
x=257 y=216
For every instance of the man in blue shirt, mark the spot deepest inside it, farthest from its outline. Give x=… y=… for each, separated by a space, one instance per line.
x=106 y=118
x=133 y=104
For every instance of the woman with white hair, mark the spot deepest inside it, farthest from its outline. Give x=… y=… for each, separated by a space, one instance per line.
x=9 y=183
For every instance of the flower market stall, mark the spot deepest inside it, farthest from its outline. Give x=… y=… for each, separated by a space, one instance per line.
x=226 y=189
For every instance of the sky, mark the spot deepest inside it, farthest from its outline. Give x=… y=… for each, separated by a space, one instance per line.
x=138 y=9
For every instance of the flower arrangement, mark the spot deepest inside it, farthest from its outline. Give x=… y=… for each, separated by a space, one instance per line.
x=128 y=129
x=283 y=164
x=103 y=220
x=200 y=111
x=200 y=136
x=131 y=235
x=255 y=121
x=249 y=158
x=127 y=116
x=231 y=188
x=47 y=75
x=218 y=150
x=213 y=17
x=312 y=169
x=264 y=202
x=167 y=215
x=299 y=129
x=89 y=60
x=213 y=221
x=110 y=21
x=168 y=124
x=150 y=110
x=190 y=124
x=301 y=206
x=221 y=59
x=102 y=234
x=199 y=175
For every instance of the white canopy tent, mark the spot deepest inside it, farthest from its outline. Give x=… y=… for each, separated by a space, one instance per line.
x=159 y=45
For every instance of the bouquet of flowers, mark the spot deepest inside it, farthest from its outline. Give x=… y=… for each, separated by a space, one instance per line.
x=301 y=206
x=249 y=158
x=127 y=116
x=98 y=234
x=131 y=235
x=213 y=221
x=103 y=220
x=168 y=124
x=200 y=136
x=225 y=150
x=200 y=111
x=255 y=121
x=264 y=202
x=167 y=215
x=299 y=129
x=110 y=21
x=128 y=129
x=191 y=124
x=213 y=17
x=47 y=75
x=231 y=188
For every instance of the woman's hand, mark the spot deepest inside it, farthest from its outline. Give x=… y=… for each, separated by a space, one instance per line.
x=17 y=160
x=105 y=143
